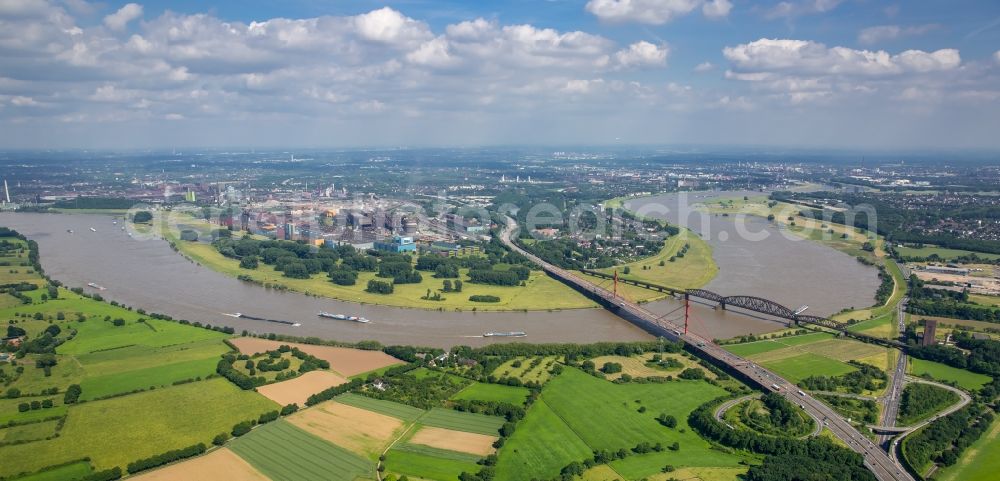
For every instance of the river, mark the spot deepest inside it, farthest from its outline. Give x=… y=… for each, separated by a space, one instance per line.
x=150 y=275
x=782 y=267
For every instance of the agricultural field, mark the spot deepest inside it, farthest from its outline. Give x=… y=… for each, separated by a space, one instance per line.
x=561 y=427
x=942 y=253
x=119 y=430
x=535 y=369
x=283 y=452
x=642 y=365
x=985 y=300
x=462 y=421
x=819 y=354
x=74 y=470
x=967 y=380
x=428 y=463
x=452 y=440
x=479 y=391
x=345 y=361
x=146 y=386
x=358 y=430
x=299 y=388
x=219 y=464
x=388 y=408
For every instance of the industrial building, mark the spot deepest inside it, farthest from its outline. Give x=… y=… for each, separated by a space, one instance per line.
x=397 y=244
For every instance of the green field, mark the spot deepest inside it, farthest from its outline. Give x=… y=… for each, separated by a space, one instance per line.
x=389 y=408
x=116 y=431
x=540 y=447
x=695 y=269
x=941 y=372
x=462 y=421
x=159 y=376
x=284 y=452
x=749 y=349
x=564 y=426
x=62 y=473
x=98 y=335
x=942 y=252
x=28 y=432
x=980 y=462
x=429 y=463
x=493 y=392
x=801 y=366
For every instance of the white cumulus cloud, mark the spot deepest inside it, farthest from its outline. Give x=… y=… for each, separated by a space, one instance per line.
x=119 y=20
x=808 y=57
x=642 y=54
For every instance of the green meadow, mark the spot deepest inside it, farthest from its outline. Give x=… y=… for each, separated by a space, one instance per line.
x=571 y=420
x=942 y=372
x=493 y=392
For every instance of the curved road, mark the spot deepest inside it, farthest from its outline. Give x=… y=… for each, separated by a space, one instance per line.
x=881 y=464
x=721 y=411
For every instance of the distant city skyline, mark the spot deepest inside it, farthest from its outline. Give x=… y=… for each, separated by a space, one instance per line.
x=847 y=74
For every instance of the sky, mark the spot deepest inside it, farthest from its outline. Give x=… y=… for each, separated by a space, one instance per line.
x=841 y=74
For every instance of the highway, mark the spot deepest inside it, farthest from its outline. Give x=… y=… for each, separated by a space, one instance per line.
x=895 y=393
x=884 y=467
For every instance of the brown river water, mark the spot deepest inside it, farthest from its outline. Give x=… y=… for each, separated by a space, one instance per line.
x=150 y=275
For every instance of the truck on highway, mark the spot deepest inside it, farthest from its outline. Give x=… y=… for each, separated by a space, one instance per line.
x=776 y=387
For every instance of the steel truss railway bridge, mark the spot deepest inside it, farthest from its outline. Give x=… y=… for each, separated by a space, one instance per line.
x=751 y=303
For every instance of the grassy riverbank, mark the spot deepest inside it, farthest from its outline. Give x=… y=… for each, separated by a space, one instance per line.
x=694 y=269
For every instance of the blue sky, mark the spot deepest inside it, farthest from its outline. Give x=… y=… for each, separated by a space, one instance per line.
x=804 y=73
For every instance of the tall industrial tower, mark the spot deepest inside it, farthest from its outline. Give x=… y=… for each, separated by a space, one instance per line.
x=6 y=191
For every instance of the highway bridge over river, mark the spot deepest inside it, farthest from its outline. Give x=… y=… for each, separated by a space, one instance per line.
x=884 y=467
x=752 y=303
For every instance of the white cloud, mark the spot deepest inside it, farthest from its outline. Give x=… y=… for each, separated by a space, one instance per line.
x=390 y=26
x=807 y=57
x=790 y=9
x=881 y=33
x=717 y=8
x=654 y=12
x=996 y=56
x=22 y=101
x=119 y=20
x=704 y=67
x=642 y=54
x=433 y=53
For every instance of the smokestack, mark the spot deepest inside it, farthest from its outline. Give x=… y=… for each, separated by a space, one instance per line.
x=6 y=191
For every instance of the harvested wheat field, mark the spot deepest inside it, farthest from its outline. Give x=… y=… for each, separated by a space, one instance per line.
x=462 y=442
x=299 y=389
x=344 y=360
x=358 y=430
x=219 y=464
